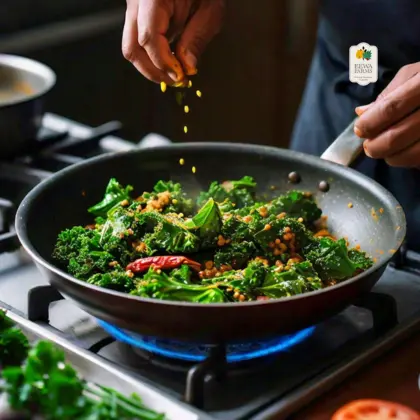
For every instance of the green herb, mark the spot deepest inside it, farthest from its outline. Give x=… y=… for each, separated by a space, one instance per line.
x=42 y=383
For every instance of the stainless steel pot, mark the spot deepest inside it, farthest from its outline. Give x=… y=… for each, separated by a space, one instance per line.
x=23 y=86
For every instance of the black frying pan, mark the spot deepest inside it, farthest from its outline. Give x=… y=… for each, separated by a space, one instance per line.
x=376 y=222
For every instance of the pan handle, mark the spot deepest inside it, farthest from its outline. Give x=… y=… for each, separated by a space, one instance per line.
x=346 y=147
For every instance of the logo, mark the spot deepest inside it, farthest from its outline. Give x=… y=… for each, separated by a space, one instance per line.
x=363 y=64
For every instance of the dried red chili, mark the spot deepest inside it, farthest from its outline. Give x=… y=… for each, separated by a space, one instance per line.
x=162 y=262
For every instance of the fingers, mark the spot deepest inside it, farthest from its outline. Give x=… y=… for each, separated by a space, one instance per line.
x=153 y=19
x=200 y=30
x=137 y=55
x=382 y=114
x=408 y=158
x=396 y=139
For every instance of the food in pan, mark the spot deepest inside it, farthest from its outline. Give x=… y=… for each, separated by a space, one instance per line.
x=36 y=380
x=226 y=245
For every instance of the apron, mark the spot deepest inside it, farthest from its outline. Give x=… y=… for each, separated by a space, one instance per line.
x=329 y=98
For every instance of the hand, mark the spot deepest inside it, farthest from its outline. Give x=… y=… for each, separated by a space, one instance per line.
x=151 y=25
x=391 y=124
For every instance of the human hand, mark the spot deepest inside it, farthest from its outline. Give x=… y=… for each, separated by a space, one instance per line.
x=151 y=25
x=391 y=124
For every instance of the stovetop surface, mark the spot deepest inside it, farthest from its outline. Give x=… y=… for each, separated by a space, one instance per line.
x=248 y=389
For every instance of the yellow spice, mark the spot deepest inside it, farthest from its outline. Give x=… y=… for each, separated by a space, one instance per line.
x=189 y=83
x=193 y=169
x=185 y=129
x=186 y=109
x=181 y=161
x=163 y=86
x=198 y=93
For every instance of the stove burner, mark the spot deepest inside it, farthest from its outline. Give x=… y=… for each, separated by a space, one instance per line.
x=198 y=352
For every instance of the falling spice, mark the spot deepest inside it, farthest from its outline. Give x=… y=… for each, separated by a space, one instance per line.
x=193 y=169
x=186 y=109
x=181 y=161
x=198 y=93
x=189 y=83
x=163 y=86
x=350 y=205
x=185 y=129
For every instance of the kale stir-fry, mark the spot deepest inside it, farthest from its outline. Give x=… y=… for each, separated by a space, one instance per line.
x=226 y=245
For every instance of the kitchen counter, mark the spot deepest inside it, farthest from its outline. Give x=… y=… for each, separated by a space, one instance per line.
x=393 y=377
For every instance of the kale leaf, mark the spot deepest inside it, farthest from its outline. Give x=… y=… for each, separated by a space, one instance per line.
x=296 y=204
x=114 y=280
x=240 y=192
x=180 y=202
x=236 y=254
x=208 y=223
x=330 y=259
x=360 y=259
x=169 y=287
x=170 y=234
x=80 y=250
x=115 y=193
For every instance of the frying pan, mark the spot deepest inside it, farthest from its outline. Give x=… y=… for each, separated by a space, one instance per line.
x=375 y=221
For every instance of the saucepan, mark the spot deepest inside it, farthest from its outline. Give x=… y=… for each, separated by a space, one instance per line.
x=24 y=83
x=375 y=221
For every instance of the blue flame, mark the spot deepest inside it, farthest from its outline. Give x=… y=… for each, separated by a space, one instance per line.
x=198 y=352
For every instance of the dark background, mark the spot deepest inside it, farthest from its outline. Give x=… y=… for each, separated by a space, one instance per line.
x=251 y=76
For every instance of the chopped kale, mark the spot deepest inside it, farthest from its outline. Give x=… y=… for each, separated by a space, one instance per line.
x=243 y=246
x=241 y=192
x=115 y=193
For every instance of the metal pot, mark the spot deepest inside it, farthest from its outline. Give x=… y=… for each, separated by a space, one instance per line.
x=23 y=86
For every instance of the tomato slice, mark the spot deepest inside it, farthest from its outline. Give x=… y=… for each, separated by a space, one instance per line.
x=375 y=410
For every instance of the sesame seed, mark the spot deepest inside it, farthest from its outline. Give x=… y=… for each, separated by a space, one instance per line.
x=163 y=86
x=185 y=129
x=181 y=161
x=186 y=109
x=189 y=83
x=198 y=93
x=194 y=169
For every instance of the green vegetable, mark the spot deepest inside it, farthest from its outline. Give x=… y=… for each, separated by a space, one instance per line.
x=241 y=192
x=115 y=280
x=236 y=254
x=330 y=259
x=80 y=250
x=170 y=234
x=208 y=223
x=230 y=228
x=299 y=279
x=360 y=259
x=180 y=202
x=115 y=193
x=303 y=237
x=296 y=204
x=171 y=287
x=13 y=344
x=46 y=385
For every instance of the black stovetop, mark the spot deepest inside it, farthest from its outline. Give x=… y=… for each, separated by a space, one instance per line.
x=271 y=387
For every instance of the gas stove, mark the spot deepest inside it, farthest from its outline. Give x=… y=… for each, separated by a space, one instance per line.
x=254 y=380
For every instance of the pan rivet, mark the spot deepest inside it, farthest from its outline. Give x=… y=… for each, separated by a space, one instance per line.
x=294 y=177
x=324 y=186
